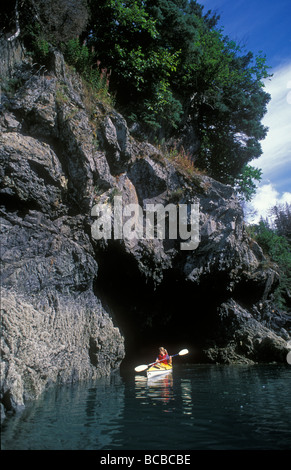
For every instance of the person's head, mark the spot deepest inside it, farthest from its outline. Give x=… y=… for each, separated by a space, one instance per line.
x=162 y=350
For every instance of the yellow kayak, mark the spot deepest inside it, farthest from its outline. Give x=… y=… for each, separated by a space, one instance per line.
x=159 y=369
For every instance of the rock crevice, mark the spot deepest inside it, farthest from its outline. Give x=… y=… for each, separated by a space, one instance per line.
x=69 y=301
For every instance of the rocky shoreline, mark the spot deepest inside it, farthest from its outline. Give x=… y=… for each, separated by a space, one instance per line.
x=69 y=303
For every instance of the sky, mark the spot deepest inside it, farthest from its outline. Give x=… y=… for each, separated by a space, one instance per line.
x=265 y=25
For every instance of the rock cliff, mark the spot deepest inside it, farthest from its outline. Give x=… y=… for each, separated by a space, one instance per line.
x=71 y=303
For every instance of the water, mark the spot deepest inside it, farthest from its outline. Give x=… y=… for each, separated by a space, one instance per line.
x=199 y=407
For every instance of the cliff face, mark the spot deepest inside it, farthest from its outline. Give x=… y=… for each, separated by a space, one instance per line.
x=54 y=328
x=68 y=300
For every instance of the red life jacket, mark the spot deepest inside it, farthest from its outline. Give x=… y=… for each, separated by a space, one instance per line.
x=163 y=358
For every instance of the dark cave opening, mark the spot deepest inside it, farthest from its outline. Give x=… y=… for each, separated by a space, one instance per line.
x=176 y=314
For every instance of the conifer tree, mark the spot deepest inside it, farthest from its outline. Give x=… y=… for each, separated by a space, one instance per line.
x=173 y=67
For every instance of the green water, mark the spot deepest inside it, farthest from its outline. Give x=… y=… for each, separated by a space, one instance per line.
x=199 y=407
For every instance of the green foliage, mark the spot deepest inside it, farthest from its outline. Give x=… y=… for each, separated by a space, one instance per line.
x=42 y=48
x=245 y=182
x=125 y=38
x=79 y=56
x=282 y=220
x=37 y=43
x=277 y=248
x=161 y=107
x=172 y=66
x=229 y=105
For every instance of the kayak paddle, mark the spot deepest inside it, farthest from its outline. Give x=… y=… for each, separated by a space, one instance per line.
x=144 y=367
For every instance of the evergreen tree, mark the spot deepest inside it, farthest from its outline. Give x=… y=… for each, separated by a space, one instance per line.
x=170 y=69
x=171 y=66
x=277 y=248
x=282 y=220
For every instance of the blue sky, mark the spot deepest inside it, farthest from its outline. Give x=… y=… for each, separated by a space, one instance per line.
x=265 y=25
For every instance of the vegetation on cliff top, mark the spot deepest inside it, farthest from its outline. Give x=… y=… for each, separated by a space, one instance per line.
x=169 y=67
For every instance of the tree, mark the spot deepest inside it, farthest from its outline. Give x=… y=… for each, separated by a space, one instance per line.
x=126 y=40
x=245 y=182
x=228 y=106
x=172 y=67
x=282 y=220
x=277 y=248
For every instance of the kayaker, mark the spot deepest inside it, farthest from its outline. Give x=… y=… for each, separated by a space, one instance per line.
x=163 y=356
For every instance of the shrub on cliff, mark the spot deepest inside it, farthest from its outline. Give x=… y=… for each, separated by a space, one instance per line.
x=171 y=66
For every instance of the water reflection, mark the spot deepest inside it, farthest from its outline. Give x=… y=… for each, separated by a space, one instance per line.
x=82 y=416
x=186 y=395
x=197 y=407
x=158 y=388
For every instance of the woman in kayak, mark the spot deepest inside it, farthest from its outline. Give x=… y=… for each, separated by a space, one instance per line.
x=163 y=356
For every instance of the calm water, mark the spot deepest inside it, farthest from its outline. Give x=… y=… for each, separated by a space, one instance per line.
x=199 y=407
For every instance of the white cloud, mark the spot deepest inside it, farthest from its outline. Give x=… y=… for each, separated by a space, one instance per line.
x=277 y=145
x=275 y=162
x=267 y=197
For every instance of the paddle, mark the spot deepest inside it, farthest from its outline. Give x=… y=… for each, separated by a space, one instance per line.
x=144 y=367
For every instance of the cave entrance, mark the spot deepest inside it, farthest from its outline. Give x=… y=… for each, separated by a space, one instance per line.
x=176 y=314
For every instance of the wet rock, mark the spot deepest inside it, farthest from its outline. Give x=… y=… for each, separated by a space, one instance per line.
x=55 y=330
x=66 y=296
x=48 y=339
x=240 y=338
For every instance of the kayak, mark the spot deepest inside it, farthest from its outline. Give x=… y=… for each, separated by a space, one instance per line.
x=159 y=369
x=156 y=368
